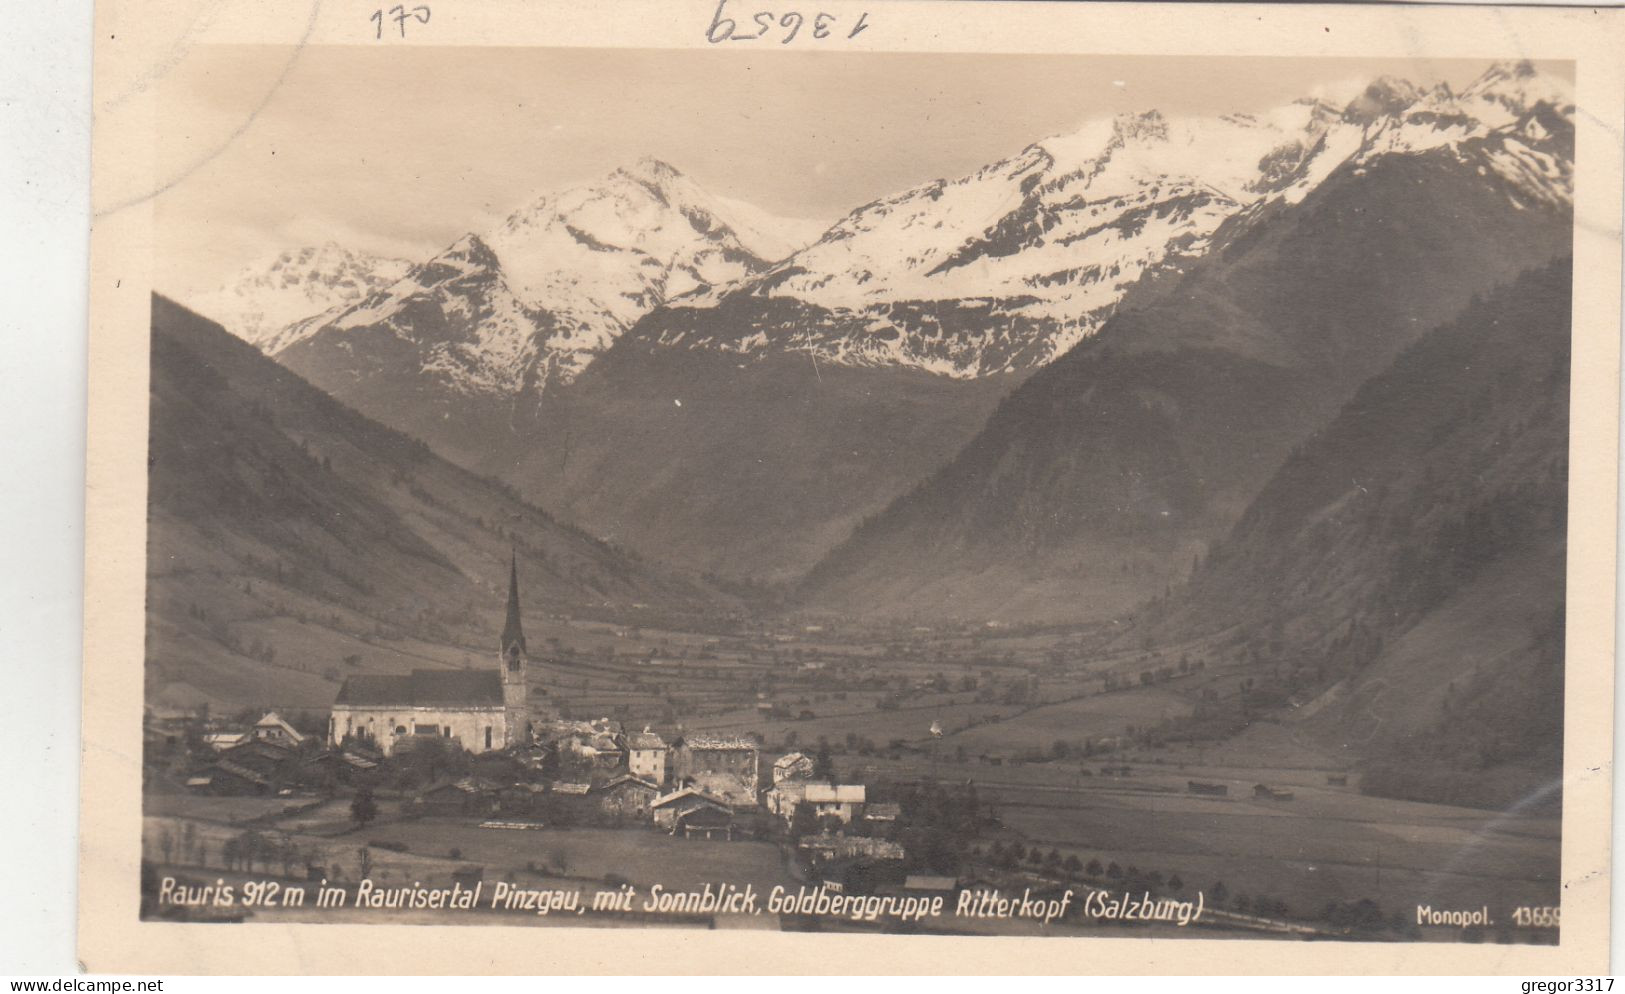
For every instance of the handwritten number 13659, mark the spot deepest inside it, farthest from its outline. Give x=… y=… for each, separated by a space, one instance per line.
x=822 y=26
x=400 y=15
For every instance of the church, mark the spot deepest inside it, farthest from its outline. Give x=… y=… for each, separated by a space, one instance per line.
x=481 y=710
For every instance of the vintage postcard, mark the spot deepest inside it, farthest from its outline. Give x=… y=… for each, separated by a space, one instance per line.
x=851 y=487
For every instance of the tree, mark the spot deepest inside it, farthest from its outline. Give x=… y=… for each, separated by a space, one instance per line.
x=1094 y=869
x=1073 y=866
x=363 y=809
x=823 y=764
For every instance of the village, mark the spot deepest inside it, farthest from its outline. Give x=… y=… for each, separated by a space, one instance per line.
x=483 y=775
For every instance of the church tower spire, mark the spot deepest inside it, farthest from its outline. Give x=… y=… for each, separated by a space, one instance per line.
x=515 y=687
x=513 y=633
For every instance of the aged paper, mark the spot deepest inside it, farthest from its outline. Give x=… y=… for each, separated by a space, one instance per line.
x=907 y=487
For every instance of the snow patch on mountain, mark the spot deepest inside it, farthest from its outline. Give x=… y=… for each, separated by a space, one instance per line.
x=537 y=298
x=997 y=271
x=1044 y=244
x=269 y=296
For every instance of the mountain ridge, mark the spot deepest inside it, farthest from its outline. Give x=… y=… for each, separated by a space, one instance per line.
x=288 y=533
x=1108 y=470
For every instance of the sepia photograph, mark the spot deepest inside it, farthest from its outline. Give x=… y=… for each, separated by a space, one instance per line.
x=994 y=495
x=1157 y=522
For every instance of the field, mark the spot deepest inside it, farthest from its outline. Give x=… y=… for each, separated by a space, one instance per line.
x=1040 y=722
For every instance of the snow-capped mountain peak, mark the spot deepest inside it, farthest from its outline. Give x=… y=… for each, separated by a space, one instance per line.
x=1025 y=256
x=996 y=271
x=1515 y=88
x=538 y=296
x=268 y=296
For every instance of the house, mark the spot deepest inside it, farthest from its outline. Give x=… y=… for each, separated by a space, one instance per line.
x=521 y=798
x=702 y=755
x=825 y=847
x=882 y=813
x=646 y=756
x=667 y=809
x=608 y=753
x=627 y=797
x=841 y=801
x=566 y=802
x=1266 y=792
x=480 y=710
x=1337 y=779
x=220 y=741
x=1208 y=789
x=272 y=728
x=726 y=766
x=265 y=758
x=704 y=823
x=329 y=767
x=468 y=795
x=793 y=766
x=226 y=778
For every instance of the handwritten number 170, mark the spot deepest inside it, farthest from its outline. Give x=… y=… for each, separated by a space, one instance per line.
x=400 y=15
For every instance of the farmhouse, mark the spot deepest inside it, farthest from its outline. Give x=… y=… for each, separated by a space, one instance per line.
x=469 y=795
x=272 y=728
x=724 y=765
x=646 y=755
x=882 y=813
x=794 y=766
x=826 y=847
x=671 y=807
x=627 y=796
x=841 y=801
x=264 y=758
x=704 y=823
x=228 y=778
x=481 y=710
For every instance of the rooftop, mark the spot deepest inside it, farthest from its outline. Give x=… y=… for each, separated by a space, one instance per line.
x=424 y=688
x=645 y=740
x=718 y=742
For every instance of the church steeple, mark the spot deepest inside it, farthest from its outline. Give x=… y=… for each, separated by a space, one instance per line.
x=515 y=686
x=513 y=634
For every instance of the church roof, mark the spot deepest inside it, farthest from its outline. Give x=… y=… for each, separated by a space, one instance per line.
x=424 y=689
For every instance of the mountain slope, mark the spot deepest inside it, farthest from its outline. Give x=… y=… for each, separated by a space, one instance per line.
x=563 y=276
x=1007 y=268
x=974 y=282
x=270 y=300
x=1402 y=575
x=1096 y=483
x=745 y=470
x=288 y=533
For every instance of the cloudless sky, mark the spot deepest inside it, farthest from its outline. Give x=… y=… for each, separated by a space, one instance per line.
x=402 y=150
